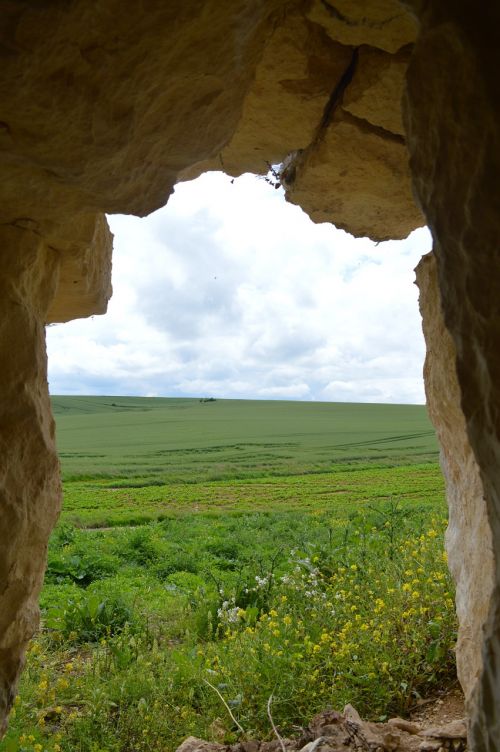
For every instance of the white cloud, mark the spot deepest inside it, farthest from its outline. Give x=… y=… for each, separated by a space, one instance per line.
x=233 y=292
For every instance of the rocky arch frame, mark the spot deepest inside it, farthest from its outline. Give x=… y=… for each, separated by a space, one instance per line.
x=106 y=105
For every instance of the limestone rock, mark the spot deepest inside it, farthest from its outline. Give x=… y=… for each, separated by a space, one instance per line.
x=30 y=493
x=385 y=24
x=330 y=731
x=356 y=177
x=453 y=133
x=351 y=714
x=84 y=284
x=252 y=745
x=453 y=730
x=299 y=69
x=430 y=745
x=193 y=744
x=471 y=565
x=102 y=109
x=404 y=725
x=329 y=718
x=376 y=90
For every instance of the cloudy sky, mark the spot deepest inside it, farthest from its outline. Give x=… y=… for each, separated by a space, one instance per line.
x=231 y=292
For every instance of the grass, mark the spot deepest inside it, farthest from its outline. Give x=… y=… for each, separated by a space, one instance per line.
x=105 y=504
x=170 y=440
x=312 y=575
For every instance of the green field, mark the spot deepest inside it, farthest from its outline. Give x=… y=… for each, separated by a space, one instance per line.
x=185 y=439
x=239 y=549
x=127 y=460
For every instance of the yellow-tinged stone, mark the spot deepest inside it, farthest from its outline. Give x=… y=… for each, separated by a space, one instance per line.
x=30 y=493
x=471 y=564
x=386 y=24
x=357 y=179
x=376 y=89
x=84 y=284
x=294 y=80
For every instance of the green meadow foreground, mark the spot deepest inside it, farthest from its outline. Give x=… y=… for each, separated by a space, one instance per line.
x=211 y=554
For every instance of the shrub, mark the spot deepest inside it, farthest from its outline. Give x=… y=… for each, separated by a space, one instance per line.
x=342 y=629
x=359 y=611
x=81 y=568
x=142 y=547
x=176 y=559
x=89 y=617
x=63 y=535
x=185 y=582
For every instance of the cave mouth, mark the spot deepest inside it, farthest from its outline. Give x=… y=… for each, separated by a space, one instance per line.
x=92 y=127
x=233 y=291
x=177 y=233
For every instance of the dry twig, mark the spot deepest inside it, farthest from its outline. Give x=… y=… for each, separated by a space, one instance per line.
x=227 y=707
x=282 y=744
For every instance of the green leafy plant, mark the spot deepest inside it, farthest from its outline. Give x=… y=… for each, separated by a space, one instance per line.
x=89 y=618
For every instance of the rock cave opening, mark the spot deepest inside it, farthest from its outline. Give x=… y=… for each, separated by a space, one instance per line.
x=233 y=291
x=387 y=112
x=219 y=275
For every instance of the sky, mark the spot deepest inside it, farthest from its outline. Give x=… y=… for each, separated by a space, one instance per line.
x=230 y=291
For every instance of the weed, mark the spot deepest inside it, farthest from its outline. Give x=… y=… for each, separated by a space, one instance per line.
x=89 y=618
x=317 y=624
x=305 y=565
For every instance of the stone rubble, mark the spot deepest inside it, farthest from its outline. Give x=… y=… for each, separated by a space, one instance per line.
x=331 y=731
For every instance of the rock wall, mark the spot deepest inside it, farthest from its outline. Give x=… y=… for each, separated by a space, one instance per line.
x=101 y=109
x=471 y=565
x=104 y=111
x=84 y=280
x=29 y=469
x=452 y=108
x=355 y=171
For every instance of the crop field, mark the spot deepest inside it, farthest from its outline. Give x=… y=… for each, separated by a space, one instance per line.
x=129 y=460
x=211 y=554
x=185 y=439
